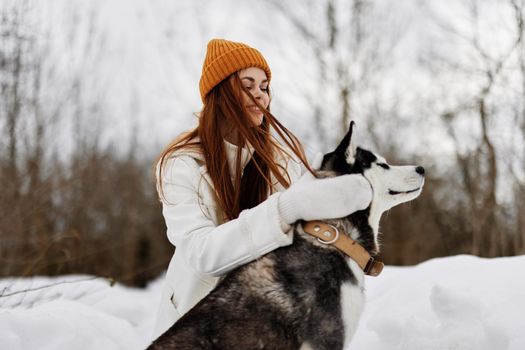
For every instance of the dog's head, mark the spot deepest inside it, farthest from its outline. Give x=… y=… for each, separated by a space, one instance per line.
x=392 y=185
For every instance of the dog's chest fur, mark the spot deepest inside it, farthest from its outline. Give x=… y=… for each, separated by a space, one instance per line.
x=299 y=296
x=352 y=302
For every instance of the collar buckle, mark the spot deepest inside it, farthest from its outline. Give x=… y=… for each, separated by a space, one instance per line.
x=373 y=267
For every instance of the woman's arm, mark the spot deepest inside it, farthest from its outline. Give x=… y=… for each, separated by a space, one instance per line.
x=208 y=248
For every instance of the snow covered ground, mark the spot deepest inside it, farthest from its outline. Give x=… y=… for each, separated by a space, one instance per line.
x=460 y=302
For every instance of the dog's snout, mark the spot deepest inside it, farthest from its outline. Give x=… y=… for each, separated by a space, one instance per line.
x=420 y=170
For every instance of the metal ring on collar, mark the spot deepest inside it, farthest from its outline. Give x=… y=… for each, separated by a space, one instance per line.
x=334 y=239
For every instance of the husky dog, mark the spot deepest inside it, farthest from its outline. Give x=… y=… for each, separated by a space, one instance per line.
x=308 y=295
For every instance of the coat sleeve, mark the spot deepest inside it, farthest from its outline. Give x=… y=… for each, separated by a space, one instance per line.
x=208 y=248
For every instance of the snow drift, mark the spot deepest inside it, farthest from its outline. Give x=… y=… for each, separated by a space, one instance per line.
x=460 y=302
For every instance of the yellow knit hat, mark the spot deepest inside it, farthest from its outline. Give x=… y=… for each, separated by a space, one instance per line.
x=224 y=58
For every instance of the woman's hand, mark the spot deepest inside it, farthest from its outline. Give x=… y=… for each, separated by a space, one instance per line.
x=315 y=199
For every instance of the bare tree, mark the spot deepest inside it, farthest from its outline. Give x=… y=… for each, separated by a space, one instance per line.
x=86 y=209
x=350 y=56
x=480 y=163
x=518 y=8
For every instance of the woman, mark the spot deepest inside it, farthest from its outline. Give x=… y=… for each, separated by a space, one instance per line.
x=224 y=185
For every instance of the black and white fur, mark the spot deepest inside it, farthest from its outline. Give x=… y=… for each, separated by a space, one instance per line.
x=306 y=295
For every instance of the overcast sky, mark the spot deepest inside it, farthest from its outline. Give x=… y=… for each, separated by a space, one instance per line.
x=144 y=58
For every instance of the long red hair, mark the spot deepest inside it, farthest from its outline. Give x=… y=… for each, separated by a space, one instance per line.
x=223 y=105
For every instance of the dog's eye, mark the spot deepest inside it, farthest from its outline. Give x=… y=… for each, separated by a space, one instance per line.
x=383 y=165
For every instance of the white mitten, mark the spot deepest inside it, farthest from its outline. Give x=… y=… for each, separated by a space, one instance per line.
x=315 y=199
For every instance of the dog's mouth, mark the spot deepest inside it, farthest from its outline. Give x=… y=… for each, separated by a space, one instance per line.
x=392 y=192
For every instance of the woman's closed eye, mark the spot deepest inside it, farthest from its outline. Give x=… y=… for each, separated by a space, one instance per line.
x=262 y=88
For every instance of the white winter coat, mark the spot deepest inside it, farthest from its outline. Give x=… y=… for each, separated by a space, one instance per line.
x=207 y=248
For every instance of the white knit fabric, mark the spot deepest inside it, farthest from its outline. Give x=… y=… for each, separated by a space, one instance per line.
x=314 y=199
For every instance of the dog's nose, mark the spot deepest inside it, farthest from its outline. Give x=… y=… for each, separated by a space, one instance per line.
x=420 y=170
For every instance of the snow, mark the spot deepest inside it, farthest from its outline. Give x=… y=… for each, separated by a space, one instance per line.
x=85 y=314
x=462 y=302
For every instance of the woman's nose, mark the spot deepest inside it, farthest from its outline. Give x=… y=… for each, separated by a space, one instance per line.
x=257 y=93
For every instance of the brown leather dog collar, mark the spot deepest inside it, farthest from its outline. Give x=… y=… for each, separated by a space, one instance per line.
x=328 y=234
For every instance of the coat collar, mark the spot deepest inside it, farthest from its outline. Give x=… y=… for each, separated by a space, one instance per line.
x=231 y=154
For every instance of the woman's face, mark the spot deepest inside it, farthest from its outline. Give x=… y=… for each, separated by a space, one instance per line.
x=255 y=81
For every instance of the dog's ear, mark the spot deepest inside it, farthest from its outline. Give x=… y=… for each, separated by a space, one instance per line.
x=346 y=148
x=343 y=158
